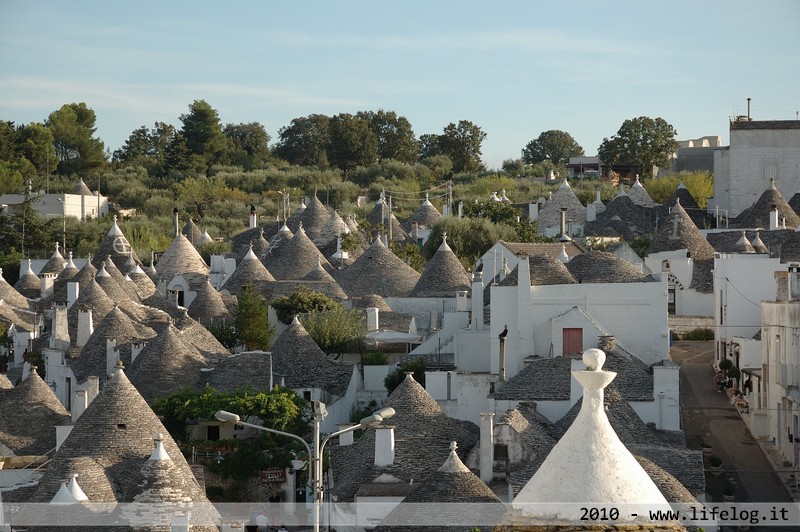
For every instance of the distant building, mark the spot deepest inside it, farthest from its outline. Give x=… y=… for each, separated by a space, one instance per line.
x=81 y=204
x=760 y=150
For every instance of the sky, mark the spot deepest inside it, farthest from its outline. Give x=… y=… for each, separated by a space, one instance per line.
x=514 y=68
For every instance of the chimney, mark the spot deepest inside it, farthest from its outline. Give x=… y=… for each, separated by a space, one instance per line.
x=781 y=286
x=502 y=360
x=597 y=195
x=477 y=301
x=372 y=319
x=533 y=211
x=47 y=284
x=460 y=209
x=773 y=218
x=79 y=404
x=487 y=446
x=85 y=326
x=564 y=236
x=112 y=355
x=136 y=348
x=73 y=291
x=253 y=223
x=794 y=282
x=591 y=212
x=59 y=339
x=92 y=387
x=384 y=445
x=175 y=221
x=748 y=110
x=347 y=437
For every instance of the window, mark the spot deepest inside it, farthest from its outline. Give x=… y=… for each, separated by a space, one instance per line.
x=212 y=433
x=500 y=452
x=307 y=395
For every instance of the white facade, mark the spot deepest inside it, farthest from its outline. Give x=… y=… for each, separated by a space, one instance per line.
x=676 y=269
x=758 y=152
x=61 y=205
x=780 y=323
x=741 y=282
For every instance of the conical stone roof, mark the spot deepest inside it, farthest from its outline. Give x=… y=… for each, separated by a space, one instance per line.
x=179 y=258
x=298 y=358
x=323 y=282
x=589 y=463
x=425 y=216
x=295 y=258
x=758 y=214
x=381 y=216
x=602 y=267
x=30 y=413
x=421 y=424
x=28 y=284
x=544 y=270
x=639 y=195
x=115 y=245
x=10 y=295
x=116 y=432
x=82 y=190
x=315 y=221
x=427 y=502
x=679 y=232
x=166 y=365
x=5 y=384
x=208 y=306
x=90 y=296
x=192 y=233
x=55 y=264
x=550 y=214
x=378 y=271
x=249 y=270
x=443 y=275
x=687 y=201
x=92 y=359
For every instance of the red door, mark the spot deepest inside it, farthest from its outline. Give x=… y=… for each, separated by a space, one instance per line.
x=572 y=341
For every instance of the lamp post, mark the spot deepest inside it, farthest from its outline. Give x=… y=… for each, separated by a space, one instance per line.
x=315 y=453
x=64 y=212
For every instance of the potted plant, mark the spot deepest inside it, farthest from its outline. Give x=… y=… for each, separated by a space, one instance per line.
x=716 y=466
x=707 y=450
x=728 y=493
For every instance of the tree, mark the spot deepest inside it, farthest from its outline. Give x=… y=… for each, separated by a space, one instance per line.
x=393 y=379
x=395 y=136
x=554 y=145
x=203 y=133
x=336 y=329
x=429 y=146
x=302 y=300
x=248 y=144
x=469 y=238
x=351 y=143
x=279 y=408
x=641 y=142
x=73 y=128
x=305 y=141
x=8 y=141
x=462 y=143
x=253 y=328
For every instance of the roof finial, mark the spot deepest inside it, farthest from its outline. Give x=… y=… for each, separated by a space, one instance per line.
x=453 y=446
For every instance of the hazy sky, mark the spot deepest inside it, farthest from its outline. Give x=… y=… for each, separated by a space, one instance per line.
x=514 y=68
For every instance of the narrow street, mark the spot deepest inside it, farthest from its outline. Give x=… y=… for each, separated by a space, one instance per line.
x=709 y=417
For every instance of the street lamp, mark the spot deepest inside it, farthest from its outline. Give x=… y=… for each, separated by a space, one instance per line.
x=64 y=212
x=319 y=411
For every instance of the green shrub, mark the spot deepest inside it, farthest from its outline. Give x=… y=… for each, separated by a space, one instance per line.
x=374 y=358
x=698 y=335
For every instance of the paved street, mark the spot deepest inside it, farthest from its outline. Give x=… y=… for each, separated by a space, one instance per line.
x=708 y=416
